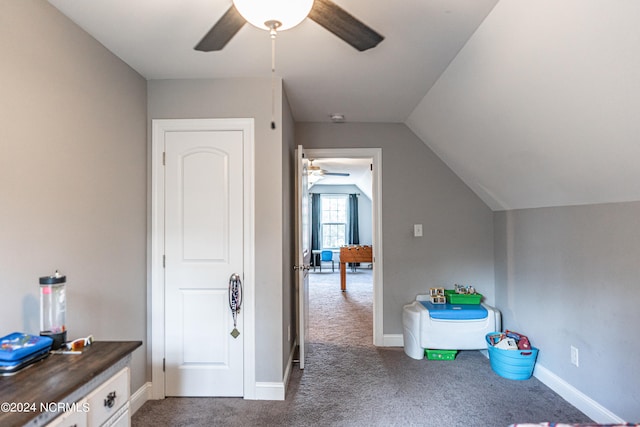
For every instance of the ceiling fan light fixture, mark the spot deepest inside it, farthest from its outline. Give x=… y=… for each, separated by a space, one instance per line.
x=337 y=117
x=263 y=13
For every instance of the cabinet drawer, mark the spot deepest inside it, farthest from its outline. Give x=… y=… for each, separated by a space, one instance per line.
x=121 y=419
x=76 y=418
x=105 y=401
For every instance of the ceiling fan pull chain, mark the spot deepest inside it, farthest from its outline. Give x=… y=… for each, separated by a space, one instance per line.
x=273 y=76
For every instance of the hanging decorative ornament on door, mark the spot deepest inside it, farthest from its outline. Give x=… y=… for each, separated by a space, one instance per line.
x=235 y=301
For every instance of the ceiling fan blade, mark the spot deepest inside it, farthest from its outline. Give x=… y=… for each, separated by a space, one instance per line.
x=223 y=31
x=344 y=25
x=336 y=173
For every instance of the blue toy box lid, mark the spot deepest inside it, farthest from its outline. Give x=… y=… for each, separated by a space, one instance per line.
x=19 y=346
x=455 y=311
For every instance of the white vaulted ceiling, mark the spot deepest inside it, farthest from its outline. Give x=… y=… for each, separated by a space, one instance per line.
x=531 y=103
x=322 y=74
x=542 y=105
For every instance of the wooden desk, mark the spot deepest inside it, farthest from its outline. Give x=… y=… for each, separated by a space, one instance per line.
x=61 y=378
x=352 y=254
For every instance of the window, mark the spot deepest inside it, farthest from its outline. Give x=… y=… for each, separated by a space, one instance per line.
x=333 y=220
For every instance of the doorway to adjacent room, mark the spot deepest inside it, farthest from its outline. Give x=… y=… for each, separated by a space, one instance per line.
x=347 y=200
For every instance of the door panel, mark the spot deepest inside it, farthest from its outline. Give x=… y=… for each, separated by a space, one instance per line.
x=204 y=314
x=303 y=250
x=204 y=247
x=205 y=234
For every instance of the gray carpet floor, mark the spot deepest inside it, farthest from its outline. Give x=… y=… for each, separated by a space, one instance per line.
x=349 y=382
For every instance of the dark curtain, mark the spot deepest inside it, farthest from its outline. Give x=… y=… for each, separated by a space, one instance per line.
x=354 y=233
x=315 y=224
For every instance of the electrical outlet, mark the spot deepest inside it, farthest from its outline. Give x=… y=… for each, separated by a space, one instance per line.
x=417 y=230
x=575 y=358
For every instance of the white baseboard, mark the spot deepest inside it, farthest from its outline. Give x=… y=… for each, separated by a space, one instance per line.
x=393 y=340
x=263 y=391
x=584 y=403
x=275 y=390
x=270 y=391
x=287 y=371
x=140 y=397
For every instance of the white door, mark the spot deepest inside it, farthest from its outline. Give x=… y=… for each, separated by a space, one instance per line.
x=303 y=249
x=203 y=248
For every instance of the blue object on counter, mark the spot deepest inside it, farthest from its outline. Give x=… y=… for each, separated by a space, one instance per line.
x=18 y=346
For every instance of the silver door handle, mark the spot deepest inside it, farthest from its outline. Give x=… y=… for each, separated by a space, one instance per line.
x=301 y=267
x=235 y=301
x=235 y=293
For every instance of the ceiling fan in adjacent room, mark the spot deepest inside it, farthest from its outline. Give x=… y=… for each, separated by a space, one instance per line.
x=274 y=16
x=318 y=171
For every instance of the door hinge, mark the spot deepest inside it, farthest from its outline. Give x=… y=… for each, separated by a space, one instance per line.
x=164 y=261
x=164 y=158
x=163 y=364
x=371 y=166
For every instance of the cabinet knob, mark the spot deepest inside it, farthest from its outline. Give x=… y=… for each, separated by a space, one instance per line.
x=110 y=400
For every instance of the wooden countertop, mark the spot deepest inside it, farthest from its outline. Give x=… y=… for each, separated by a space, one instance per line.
x=56 y=378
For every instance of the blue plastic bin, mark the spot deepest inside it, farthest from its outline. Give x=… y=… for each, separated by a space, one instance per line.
x=512 y=364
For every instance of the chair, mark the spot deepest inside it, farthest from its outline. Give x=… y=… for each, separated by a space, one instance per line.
x=326 y=256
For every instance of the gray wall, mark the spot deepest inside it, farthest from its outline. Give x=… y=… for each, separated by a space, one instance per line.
x=72 y=178
x=417 y=187
x=176 y=99
x=570 y=276
x=289 y=256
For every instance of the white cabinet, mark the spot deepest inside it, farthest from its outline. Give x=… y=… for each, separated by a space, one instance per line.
x=120 y=419
x=90 y=389
x=75 y=418
x=106 y=400
x=106 y=406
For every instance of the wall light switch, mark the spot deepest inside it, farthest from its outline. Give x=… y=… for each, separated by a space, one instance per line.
x=417 y=230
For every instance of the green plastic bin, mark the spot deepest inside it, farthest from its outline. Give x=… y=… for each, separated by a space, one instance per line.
x=440 y=354
x=454 y=298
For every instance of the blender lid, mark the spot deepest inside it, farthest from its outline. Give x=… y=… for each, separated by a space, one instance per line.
x=53 y=279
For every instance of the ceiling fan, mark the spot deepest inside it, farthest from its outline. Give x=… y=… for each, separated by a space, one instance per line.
x=324 y=12
x=318 y=171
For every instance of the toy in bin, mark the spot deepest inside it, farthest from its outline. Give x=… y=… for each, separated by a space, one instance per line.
x=520 y=342
x=53 y=308
x=463 y=295
x=461 y=289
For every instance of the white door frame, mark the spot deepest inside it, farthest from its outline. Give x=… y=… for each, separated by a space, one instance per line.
x=376 y=183
x=155 y=304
